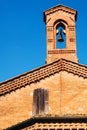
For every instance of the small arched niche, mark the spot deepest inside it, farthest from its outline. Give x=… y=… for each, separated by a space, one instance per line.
x=60 y=34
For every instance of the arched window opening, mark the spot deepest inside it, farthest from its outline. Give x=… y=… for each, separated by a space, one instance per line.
x=60 y=36
x=40 y=101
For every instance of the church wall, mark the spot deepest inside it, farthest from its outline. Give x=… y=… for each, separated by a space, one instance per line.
x=67 y=96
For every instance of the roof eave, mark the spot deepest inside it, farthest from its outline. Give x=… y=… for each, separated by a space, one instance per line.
x=44 y=13
x=48 y=119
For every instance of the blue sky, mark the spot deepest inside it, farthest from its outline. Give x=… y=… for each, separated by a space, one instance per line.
x=23 y=35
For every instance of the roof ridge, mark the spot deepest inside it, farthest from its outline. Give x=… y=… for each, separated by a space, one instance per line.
x=41 y=73
x=59 y=6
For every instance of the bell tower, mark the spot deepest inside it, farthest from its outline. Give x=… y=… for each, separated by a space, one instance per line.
x=61 y=33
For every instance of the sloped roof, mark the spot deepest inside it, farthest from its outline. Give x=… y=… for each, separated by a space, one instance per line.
x=47 y=119
x=60 y=7
x=41 y=73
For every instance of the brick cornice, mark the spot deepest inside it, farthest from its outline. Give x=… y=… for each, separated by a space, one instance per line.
x=61 y=51
x=59 y=7
x=41 y=73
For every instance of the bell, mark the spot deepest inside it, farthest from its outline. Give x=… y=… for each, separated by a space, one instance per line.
x=60 y=39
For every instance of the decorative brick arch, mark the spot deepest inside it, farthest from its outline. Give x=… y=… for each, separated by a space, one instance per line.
x=68 y=20
x=59 y=22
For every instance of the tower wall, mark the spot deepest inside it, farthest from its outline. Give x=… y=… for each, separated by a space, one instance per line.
x=55 y=17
